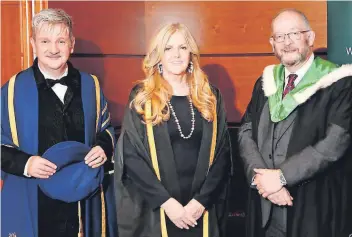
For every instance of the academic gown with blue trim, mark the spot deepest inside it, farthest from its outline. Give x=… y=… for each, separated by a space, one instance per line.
x=19 y=208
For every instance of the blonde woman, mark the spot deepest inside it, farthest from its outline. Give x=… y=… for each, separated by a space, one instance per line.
x=174 y=152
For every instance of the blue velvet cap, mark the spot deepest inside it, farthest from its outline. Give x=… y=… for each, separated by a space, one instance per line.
x=74 y=180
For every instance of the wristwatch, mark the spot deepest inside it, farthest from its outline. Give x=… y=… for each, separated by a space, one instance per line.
x=282 y=178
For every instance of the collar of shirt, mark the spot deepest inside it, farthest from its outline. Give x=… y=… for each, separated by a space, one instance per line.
x=60 y=90
x=300 y=72
x=47 y=76
x=74 y=82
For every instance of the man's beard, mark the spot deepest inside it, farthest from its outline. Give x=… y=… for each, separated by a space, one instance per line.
x=299 y=57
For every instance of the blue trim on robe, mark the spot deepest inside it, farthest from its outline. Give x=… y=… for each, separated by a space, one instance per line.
x=19 y=201
x=92 y=223
x=19 y=210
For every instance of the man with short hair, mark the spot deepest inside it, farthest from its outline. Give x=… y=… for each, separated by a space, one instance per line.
x=49 y=103
x=295 y=139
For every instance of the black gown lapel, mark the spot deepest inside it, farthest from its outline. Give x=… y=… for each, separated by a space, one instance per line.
x=203 y=157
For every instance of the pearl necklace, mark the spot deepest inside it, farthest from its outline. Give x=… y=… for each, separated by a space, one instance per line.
x=177 y=121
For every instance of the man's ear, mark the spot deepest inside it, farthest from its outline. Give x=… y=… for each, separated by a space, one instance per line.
x=73 y=41
x=32 y=40
x=271 y=41
x=311 y=38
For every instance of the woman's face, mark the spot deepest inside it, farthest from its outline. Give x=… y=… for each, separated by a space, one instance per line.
x=176 y=55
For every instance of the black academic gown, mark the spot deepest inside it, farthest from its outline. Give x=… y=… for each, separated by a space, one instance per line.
x=320 y=185
x=138 y=210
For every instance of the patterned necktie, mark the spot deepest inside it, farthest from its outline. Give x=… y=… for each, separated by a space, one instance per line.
x=290 y=85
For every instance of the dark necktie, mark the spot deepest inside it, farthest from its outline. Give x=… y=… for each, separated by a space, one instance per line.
x=290 y=85
x=51 y=82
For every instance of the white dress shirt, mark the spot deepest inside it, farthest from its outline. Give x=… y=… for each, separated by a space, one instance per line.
x=300 y=72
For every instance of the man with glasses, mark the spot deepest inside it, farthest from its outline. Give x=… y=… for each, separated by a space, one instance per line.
x=295 y=140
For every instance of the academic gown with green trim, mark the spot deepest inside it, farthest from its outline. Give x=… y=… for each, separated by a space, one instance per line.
x=318 y=166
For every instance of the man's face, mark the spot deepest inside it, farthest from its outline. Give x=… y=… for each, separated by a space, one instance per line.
x=53 y=46
x=291 y=39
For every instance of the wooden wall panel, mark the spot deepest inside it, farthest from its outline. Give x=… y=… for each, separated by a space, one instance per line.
x=27 y=9
x=11 y=55
x=219 y=27
x=114 y=27
x=232 y=27
x=16 y=30
x=235 y=77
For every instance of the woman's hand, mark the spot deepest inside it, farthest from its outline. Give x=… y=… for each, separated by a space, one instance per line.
x=177 y=214
x=194 y=209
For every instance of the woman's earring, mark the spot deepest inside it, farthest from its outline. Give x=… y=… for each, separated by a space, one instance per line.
x=190 y=68
x=160 y=68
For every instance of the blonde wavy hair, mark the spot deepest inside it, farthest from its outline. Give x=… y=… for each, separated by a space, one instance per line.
x=159 y=91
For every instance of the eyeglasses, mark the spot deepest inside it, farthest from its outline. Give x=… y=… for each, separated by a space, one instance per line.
x=279 y=38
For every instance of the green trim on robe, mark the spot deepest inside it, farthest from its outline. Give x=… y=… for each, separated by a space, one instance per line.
x=280 y=108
